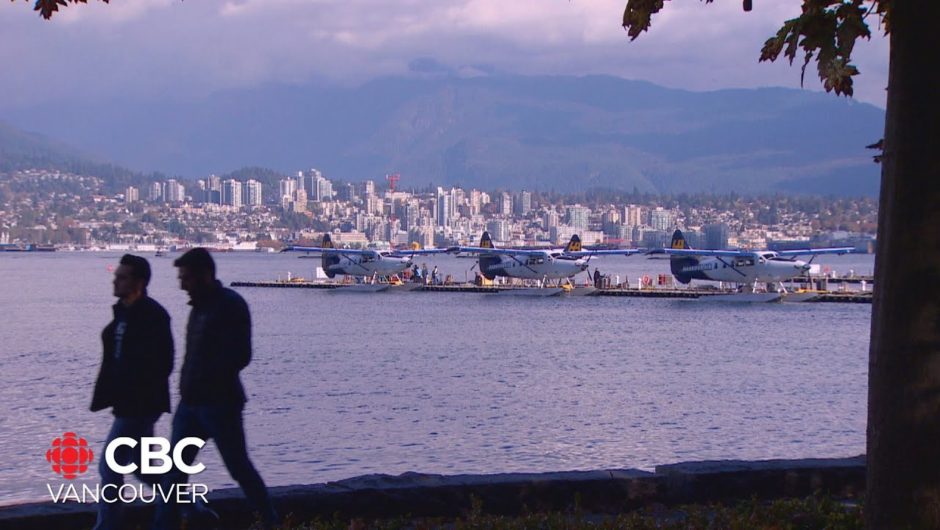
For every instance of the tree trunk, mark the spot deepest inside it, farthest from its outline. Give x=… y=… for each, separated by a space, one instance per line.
x=904 y=360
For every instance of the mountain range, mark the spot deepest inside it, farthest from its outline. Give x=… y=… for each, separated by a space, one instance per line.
x=498 y=131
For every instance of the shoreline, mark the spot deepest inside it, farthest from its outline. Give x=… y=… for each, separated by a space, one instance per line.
x=414 y=494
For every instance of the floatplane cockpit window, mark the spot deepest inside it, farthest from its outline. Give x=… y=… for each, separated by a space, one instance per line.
x=535 y=261
x=744 y=262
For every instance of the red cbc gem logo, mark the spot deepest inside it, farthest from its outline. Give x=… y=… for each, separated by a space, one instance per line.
x=69 y=455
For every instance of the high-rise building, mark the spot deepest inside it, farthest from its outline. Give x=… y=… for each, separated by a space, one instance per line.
x=212 y=192
x=499 y=230
x=374 y=205
x=578 y=217
x=347 y=192
x=476 y=201
x=131 y=194
x=323 y=189
x=286 y=188
x=523 y=203
x=156 y=191
x=232 y=193
x=662 y=219
x=633 y=215
x=445 y=207
x=505 y=204
x=298 y=202
x=549 y=219
x=252 y=193
x=716 y=236
x=310 y=180
x=175 y=191
x=411 y=216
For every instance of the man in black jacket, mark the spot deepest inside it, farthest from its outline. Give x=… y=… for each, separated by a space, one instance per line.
x=137 y=361
x=218 y=347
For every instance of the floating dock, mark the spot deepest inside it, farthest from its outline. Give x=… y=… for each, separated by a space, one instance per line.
x=654 y=292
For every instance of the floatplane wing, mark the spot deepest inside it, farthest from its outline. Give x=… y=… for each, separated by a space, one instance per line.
x=498 y=251
x=749 y=253
x=700 y=252
x=816 y=251
x=604 y=252
x=331 y=250
x=404 y=253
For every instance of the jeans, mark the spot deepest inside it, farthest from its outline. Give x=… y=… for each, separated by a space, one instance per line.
x=136 y=427
x=222 y=423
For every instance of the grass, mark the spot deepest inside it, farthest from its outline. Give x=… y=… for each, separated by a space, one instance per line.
x=818 y=512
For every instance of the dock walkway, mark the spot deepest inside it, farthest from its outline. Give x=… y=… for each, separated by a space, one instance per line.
x=653 y=292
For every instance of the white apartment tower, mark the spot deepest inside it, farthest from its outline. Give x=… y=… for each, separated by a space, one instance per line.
x=232 y=193
x=175 y=192
x=252 y=193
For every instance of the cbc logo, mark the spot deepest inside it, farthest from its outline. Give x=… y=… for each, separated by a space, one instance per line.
x=69 y=455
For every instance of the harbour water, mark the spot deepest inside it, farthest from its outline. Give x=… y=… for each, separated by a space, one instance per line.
x=349 y=384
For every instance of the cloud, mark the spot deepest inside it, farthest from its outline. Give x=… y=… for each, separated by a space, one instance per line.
x=172 y=48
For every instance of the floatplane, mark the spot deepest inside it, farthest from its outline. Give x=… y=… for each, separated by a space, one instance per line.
x=368 y=265
x=748 y=268
x=543 y=266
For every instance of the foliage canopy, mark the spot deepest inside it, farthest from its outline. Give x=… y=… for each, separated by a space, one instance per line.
x=826 y=30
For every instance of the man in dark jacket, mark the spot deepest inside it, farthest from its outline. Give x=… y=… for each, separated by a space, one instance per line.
x=218 y=347
x=137 y=360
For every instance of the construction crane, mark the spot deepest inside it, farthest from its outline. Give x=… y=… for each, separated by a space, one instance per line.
x=392 y=180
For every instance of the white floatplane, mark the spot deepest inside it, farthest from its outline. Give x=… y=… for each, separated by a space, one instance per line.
x=364 y=263
x=541 y=265
x=746 y=267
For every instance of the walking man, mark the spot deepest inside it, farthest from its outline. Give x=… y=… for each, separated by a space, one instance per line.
x=135 y=366
x=218 y=347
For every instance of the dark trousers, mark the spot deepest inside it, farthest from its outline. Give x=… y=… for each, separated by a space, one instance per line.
x=136 y=427
x=222 y=423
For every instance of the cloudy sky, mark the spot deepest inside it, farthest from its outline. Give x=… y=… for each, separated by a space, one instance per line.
x=181 y=49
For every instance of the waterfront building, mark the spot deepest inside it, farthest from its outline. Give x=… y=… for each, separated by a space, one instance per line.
x=716 y=236
x=656 y=238
x=422 y=236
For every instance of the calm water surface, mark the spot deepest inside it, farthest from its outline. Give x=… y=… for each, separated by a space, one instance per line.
x=348 y=384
